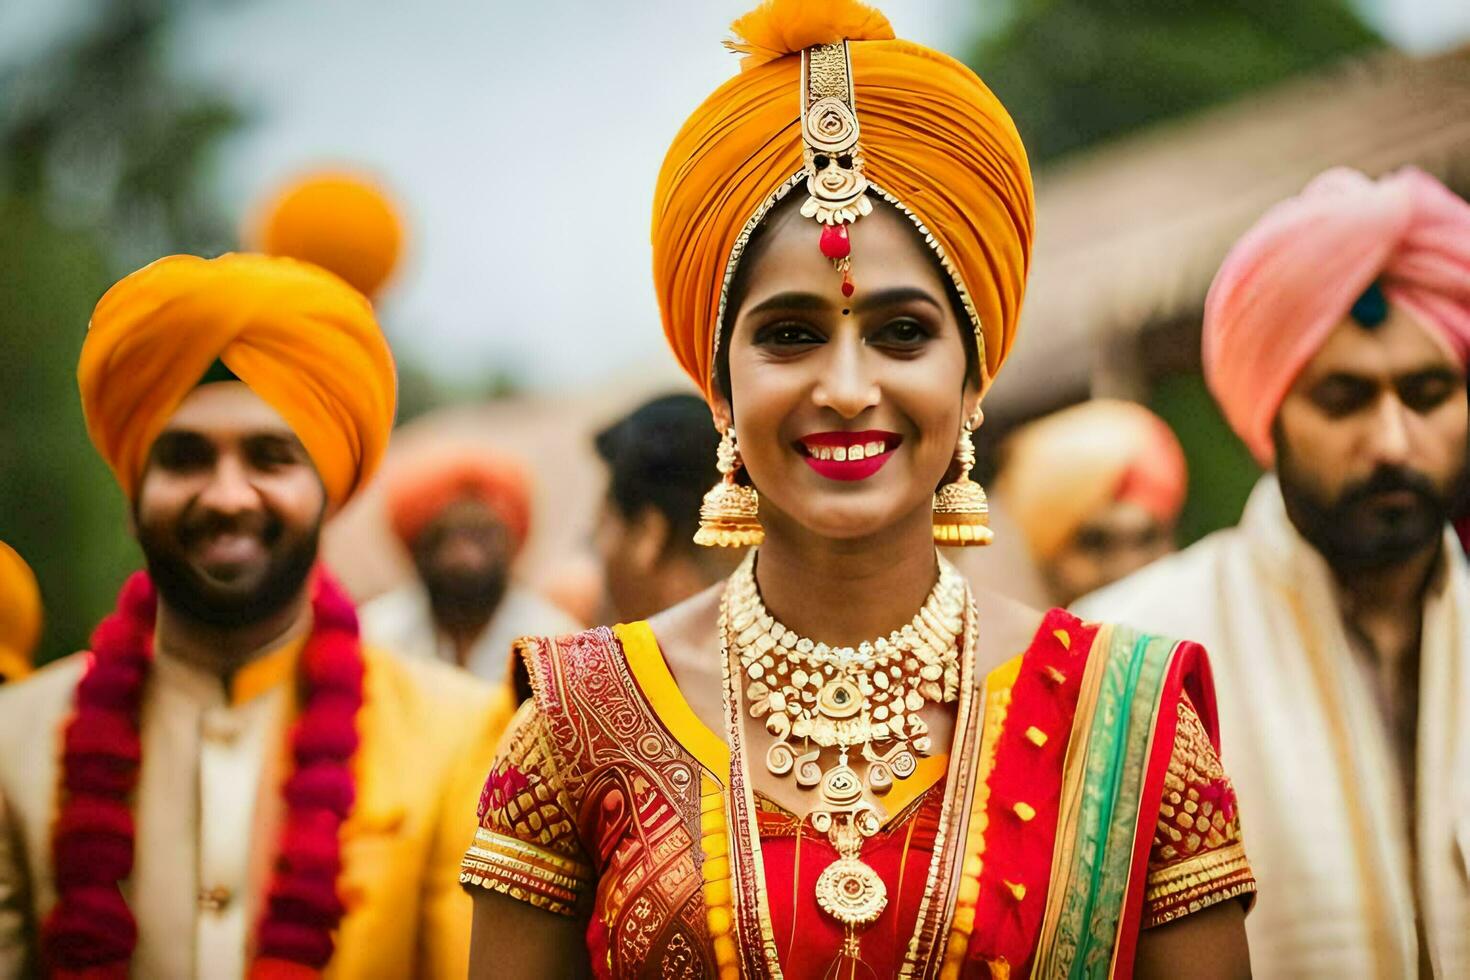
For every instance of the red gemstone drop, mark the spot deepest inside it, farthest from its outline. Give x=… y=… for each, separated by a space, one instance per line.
x=847 y=286
x=835 y=243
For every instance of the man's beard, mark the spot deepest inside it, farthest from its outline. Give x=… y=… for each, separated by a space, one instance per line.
x=1353 y=534
x=191 y=596
x=461 y=600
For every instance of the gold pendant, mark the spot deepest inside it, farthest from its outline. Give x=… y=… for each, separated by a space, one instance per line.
x=851 y=892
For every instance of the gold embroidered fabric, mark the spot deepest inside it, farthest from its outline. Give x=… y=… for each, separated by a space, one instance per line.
x=1197 y=858
x=526 y=845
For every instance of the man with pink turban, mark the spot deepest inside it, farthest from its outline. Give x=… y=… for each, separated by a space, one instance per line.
x=1337 y=612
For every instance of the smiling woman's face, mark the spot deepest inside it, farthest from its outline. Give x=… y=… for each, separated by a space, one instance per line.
x=816 y=378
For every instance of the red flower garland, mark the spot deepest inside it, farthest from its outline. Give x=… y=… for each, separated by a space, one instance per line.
x=91 y=934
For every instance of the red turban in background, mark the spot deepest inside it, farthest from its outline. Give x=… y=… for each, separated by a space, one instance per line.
x=932 y=135
x=1295 y=276
x=420 y=492
x=299 y=337
x=343 y=222
x=1063 y=469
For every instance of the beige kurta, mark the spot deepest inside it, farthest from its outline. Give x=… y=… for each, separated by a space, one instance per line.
x=402 y=621
x=1307 y=744
x=208 y=815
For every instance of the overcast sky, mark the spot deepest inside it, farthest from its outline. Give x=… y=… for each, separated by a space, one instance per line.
x=522 y=141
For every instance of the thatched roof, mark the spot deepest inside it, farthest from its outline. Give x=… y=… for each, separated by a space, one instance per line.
x=1130 y=234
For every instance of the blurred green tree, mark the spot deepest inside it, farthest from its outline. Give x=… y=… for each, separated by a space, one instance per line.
x=1075 y=72
x=104 y=160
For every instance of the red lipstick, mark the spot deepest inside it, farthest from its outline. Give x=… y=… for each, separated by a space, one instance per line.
x=848 y=455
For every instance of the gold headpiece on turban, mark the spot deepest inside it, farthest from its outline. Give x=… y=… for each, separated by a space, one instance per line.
x=20 y=615
x=901 y=121
x=343 y=222
x=298 y=336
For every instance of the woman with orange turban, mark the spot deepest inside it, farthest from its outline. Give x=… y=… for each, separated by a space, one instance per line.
x=20 y=615
x=1096 y=489
x=840 y=762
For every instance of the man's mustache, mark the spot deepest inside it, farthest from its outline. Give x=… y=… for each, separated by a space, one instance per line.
x=1391 y=479
x=206 y=524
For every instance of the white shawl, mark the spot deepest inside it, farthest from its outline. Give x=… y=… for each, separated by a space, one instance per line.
x=1305 y=742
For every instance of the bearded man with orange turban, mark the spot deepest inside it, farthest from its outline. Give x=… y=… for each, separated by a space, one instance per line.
x=229 y=783
x=1338 y=611
x=463 y=515
x=20 y=615
x=1096 y=489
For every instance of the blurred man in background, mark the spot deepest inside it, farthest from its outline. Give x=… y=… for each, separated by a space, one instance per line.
x=20 y=615
x=1337 y=614
x=463 y=515
x=660 y=461
x=1096 y=489
x=230 y=783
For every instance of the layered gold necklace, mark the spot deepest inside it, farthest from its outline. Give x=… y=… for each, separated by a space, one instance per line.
x=864 y=700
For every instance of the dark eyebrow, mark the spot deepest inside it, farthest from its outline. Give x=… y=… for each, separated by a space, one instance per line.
x=265 y=440
x=181 y=437
x=1436 y=373
x=897 y=295
x=801 y=302
x=793 y=301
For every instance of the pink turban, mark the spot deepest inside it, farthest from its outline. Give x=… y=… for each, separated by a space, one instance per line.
x=1293 y=278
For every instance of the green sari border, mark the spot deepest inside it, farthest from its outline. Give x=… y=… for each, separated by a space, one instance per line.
x=1096 y=850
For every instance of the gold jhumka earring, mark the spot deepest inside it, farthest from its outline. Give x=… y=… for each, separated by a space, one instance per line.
x=729 y=514
x=961 y=509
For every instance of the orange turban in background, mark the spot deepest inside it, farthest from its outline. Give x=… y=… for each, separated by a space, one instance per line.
x=1291 y=279
x=1061 y=470
x=343 y=222
x=299 y=337
x=932 y=135
x=422 y=490
x=20 y=615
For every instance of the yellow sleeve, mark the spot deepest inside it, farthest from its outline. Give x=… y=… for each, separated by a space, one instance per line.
x=446 y=909
x=1197 y=858
x=527 y=845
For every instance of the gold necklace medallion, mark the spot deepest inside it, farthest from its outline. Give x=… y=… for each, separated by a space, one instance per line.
x=865 y=699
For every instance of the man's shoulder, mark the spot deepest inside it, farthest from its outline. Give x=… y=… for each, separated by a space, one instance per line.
x=1163 y=589
x=422 y=685
x=47 y=692
x=36 y=707
x=532 y=614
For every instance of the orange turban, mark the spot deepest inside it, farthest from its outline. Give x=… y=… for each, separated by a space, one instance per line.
x=1061 y=470
x=932 y=135
x=421 y=492
x=344 y=223
x=20 y=614
x=302 y=339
